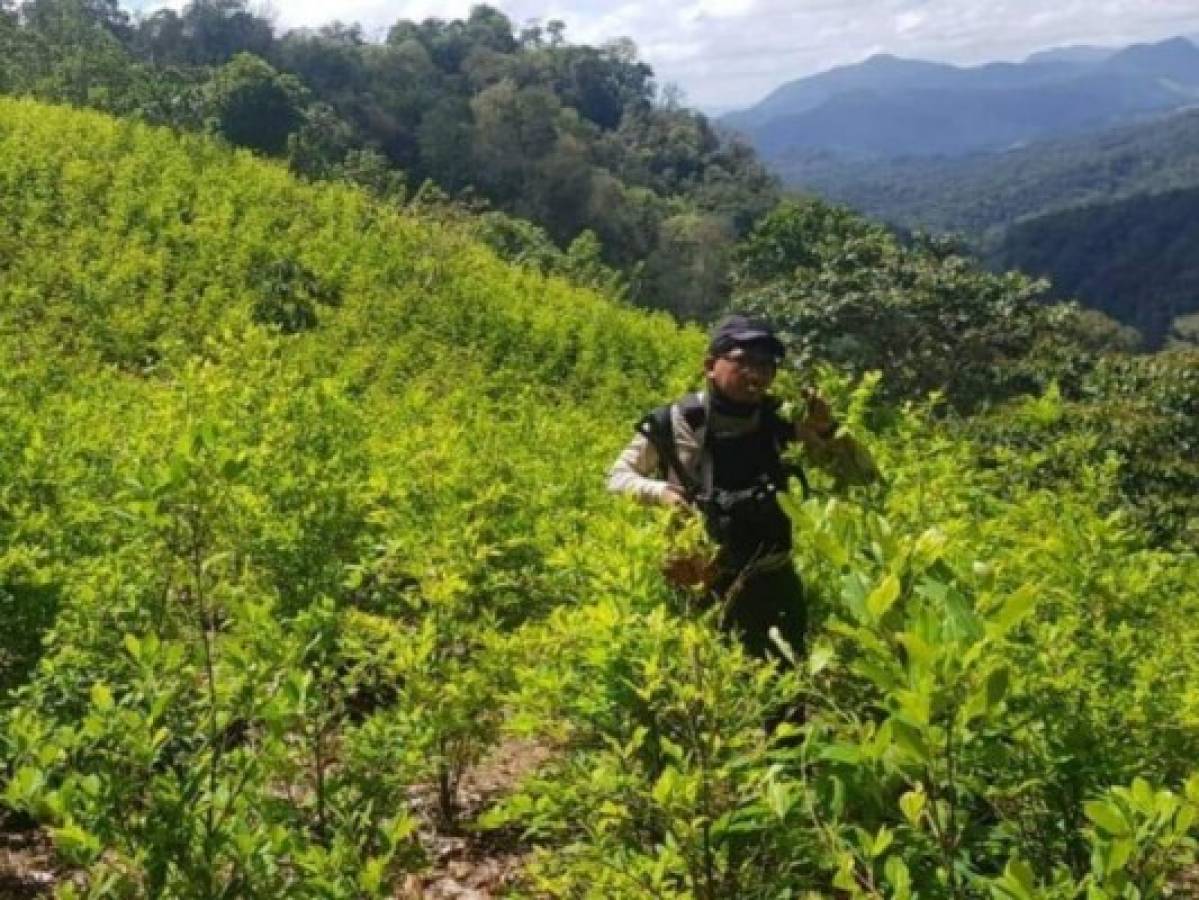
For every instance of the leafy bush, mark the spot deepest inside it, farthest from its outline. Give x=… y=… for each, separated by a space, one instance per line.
x=274 y=582
x=848 y=292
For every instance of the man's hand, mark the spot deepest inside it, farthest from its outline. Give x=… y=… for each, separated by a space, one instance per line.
x=843 y=457
x=673 y=496
x=818 y=422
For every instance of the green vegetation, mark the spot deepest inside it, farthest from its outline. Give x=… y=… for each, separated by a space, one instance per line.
x=983 y=193
x=574 y=139
x=848 y=292
x=1108 y=218
x=1133 y=259
x=301 y=507
x=268 y=451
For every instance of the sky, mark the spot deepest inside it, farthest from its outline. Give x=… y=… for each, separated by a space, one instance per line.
x=728 y=54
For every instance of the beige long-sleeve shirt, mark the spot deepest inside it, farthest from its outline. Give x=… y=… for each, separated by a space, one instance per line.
x=635 y=471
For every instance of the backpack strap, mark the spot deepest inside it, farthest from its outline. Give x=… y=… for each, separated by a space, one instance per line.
x=658 y=428
x=695 y=411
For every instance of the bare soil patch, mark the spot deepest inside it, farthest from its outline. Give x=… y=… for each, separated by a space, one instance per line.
x=469 y=864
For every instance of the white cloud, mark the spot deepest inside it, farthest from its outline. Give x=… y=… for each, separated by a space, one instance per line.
x=724 y=9
x=907 y=22
x=727 y=53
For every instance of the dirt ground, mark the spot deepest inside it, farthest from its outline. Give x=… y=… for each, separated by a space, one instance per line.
x=470 y=865
x=466 y=865
x=26 y=861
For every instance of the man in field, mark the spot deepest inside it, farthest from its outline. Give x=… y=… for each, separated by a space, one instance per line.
x=719 y=452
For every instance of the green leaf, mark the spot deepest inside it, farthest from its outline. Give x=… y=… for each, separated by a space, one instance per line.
x=910 y=740
x=664 y=788
x=920 y=654
x=370 y=878
x=1185 y=818
x=1191 y=789
x=912 y=804
x=24 y=787
x=882 y=841
x=1019 y=880
x=1015 y=608
x=843 y=879
x=1141 y=793
x=844 y=753
x=961 y=622
x=76 y=844
x=898 y=876
x=820 y=658
x=780 y=798
x=878 y=672
x=854 y=589
x=997 y=685
x=989 y=694
x=916 y=706
x=101 y=696
x=883 y=597
x=1118 y=854
x=1107 y=817
x=930 y=546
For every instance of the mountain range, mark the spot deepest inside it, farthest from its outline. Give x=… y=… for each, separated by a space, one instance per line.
x=888 y=107
x=1080 y=163
x=980 y=194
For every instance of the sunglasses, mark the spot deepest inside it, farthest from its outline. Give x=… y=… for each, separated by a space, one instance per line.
x=749 y=361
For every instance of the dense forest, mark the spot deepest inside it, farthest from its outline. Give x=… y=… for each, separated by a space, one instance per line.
x=566 y=159
x=983 y=193
x=302 y=524
x=1134 y=259
x=578 y=140
x=1109 y=219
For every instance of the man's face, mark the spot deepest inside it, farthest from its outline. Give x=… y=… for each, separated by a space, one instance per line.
x=742 y=374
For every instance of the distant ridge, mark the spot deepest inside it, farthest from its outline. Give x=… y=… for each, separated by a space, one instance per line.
x=887 y=106
x=808 y=93
x=1075 y=53
x=977 y=193
x=1110 y=218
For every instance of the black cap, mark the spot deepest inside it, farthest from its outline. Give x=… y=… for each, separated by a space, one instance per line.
x=743 y=331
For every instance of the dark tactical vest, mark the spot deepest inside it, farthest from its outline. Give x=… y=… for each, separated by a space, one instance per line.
x=742 y=511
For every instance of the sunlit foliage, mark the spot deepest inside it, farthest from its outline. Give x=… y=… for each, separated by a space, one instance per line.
x=301 y=510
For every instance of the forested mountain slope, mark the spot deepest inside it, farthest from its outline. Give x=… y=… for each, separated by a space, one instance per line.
x=1134 y=259
x=575 y=139
x=977 y=194
x=301 y=514
x=1108 y=217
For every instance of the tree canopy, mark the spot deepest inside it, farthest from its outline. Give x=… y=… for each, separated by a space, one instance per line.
x=574 y=138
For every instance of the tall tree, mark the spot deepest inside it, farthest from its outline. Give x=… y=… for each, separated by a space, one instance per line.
x=72 y=50
x=11 y=47
x=690 y=265
x=446 y=143
x=514 y=127
x=252 y=105
x=848 y=291
x=218 y=30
